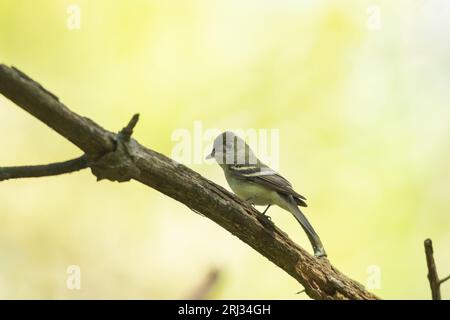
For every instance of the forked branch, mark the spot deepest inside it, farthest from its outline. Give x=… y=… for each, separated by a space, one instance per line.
x=118 y=157
x=433 y=278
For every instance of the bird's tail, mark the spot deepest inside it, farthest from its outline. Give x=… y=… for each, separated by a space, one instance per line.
x=319 y=251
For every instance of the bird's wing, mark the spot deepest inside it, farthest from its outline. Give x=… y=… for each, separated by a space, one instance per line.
x=269 y=178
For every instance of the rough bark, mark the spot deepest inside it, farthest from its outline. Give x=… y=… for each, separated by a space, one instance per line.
x=117 y=157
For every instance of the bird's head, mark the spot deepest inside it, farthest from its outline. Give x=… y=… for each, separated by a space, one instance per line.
x=230 y=149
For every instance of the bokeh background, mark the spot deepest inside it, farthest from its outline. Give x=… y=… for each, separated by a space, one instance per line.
x=358 y=89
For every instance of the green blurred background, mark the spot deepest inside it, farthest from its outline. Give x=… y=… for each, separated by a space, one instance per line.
x=363 y=113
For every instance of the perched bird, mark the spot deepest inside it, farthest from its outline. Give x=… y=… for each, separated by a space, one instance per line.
x=255 y=182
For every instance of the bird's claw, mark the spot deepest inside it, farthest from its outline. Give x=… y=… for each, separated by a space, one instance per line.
x=266 y=220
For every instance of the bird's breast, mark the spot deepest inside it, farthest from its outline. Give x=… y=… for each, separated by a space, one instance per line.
x=252 y=192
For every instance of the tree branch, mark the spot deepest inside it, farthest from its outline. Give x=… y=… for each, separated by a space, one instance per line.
x=433 y=278
x=45 y=106
x=52 y=169
x=445 y=279
x=114 y=157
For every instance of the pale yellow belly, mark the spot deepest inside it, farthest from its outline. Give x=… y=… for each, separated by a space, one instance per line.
x=253 y=193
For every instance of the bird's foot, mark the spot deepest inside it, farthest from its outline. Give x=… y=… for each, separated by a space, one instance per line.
x=266 y=220
x=264 y=212
x=265 y=215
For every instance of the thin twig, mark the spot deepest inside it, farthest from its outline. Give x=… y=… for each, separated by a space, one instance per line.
x=51 y=169
x=432 y=272
x=127 y=131
x=445 y=279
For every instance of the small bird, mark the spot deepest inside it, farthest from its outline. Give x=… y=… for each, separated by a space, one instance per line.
x=253 y=181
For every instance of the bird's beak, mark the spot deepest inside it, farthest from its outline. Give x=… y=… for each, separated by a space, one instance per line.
x=211 y=155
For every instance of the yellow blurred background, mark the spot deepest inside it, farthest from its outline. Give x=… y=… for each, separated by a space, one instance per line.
x=358 y=89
